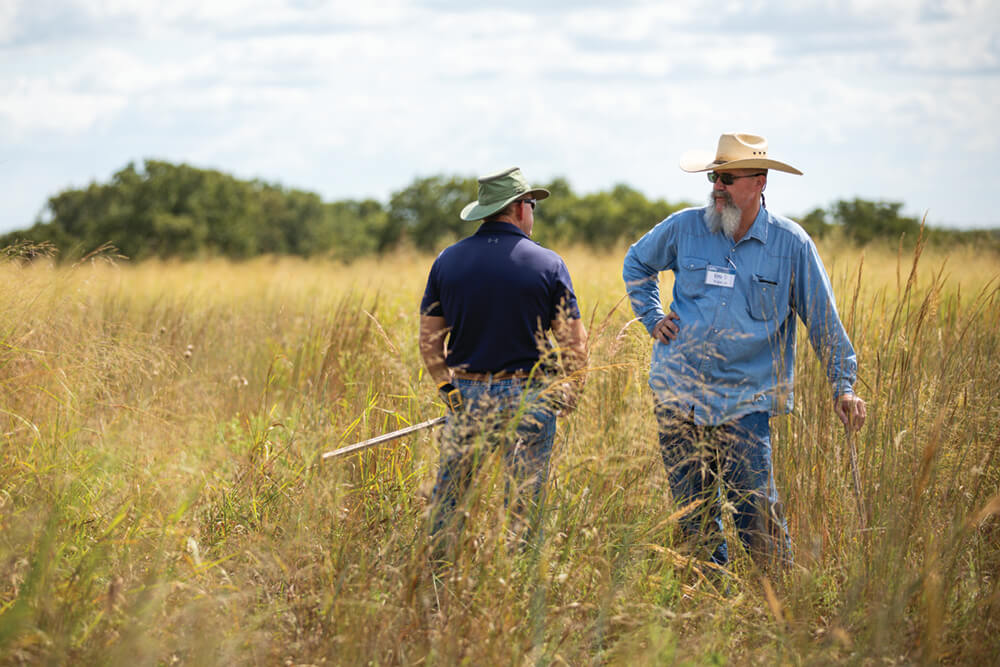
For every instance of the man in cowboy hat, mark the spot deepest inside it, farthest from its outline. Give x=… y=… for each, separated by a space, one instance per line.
x=724 y=351
x=489 y=303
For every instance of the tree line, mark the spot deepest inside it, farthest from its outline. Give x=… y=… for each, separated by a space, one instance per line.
x=169 y=210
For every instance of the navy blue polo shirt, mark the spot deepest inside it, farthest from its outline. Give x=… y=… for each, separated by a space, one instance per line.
x=497 y=289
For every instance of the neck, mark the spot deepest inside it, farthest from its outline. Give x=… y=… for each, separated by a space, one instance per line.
x=746 y=222
x=520 y=223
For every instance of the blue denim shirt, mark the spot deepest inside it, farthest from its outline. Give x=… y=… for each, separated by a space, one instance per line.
x=735 y=351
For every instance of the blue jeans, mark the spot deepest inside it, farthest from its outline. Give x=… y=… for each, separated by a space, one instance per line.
x=706 y=464
x=500 y=413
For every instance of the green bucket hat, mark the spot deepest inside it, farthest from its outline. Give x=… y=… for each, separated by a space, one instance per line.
x=499 y=189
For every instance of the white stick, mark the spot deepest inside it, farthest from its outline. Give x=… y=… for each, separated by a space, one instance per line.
x=383 y=438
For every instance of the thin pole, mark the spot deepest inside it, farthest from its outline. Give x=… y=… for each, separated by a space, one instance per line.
x=857 y=478
x=379 y=439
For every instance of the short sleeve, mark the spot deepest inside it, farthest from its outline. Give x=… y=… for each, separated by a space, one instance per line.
x=430 y=305
x=564 y=305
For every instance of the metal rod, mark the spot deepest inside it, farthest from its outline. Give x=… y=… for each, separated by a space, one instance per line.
x=862 y=514
x=386 y=437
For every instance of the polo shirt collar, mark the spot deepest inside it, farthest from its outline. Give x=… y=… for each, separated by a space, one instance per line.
x=498 y=227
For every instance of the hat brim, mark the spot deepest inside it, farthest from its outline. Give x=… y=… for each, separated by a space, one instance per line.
x=477 y=211
x=696 y=161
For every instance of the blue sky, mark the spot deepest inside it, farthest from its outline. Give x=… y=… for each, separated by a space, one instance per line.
x=893 y=100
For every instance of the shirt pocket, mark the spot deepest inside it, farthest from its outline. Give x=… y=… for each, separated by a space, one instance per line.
x=691 y=275
x=768 y=298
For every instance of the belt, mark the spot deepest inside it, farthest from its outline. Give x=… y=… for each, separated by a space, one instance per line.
x=487 y=377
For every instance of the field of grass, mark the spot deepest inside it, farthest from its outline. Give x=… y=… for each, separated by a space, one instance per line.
x=163 y=501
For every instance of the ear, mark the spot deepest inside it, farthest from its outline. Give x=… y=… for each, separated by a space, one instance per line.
x=517 y=211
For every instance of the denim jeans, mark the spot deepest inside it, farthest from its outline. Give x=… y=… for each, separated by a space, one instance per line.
x=500 y=413
x=731 y=461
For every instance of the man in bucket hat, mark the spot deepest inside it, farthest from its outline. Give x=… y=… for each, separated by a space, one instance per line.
x=724 y=351
x=490 y=301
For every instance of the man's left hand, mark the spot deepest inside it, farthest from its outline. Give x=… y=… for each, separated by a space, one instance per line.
x=666 y=329
x=851 y=410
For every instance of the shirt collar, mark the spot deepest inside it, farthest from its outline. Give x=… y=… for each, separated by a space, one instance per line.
x=758 y=230
x=498 y=227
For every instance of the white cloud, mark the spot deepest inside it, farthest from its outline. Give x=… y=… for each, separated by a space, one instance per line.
x=47 y=106
x=359 y=98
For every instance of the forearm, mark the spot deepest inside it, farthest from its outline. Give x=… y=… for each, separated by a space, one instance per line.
x=433 y=331
x=643 y=287
x=818 y=310
x=833 y=347
x=437 y=370
x=572 y=338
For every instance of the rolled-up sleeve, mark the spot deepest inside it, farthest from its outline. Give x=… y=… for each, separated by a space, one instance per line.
x=814 y=302
x=645 y=259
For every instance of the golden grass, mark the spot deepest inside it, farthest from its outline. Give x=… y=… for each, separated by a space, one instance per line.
x=162 y=500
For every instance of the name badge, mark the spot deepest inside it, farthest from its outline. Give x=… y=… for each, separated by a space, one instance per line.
x=720 y=276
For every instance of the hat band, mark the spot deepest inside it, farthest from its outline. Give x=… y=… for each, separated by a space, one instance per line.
x=503 y=196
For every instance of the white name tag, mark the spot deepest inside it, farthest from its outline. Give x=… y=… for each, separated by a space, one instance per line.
x=720 y=276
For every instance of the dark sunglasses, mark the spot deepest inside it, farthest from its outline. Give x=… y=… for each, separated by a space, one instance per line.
x=727 y=178
x=529 y=202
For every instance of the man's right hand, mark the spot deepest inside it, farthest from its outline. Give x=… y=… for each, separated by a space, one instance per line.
x=666 y=329
x=851 y=410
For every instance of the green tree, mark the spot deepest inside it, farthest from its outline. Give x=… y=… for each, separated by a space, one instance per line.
x=553 y=217
x=168 y=210
x=864 y=221
x=815 y=224
x=601 y=219
x=351 y=229
x=426 y=213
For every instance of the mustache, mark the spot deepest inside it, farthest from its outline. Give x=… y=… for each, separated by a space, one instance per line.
x=723 y=196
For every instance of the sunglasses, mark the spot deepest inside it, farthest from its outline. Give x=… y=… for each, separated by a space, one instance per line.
x=529 y=202
x=727 y=178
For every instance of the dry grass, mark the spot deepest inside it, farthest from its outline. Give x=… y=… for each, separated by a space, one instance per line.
x=162 y=499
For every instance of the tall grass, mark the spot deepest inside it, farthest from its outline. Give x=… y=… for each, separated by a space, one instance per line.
x=162 y=498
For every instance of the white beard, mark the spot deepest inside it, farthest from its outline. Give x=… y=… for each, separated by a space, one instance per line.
x=727 y=221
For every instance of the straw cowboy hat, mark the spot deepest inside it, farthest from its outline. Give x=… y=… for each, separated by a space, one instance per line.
x=499 y=189
x=737 y=150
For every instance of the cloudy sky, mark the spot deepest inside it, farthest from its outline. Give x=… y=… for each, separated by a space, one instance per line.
x=894 y=100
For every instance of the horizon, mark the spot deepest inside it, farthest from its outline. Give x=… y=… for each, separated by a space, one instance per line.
x=139 y=166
